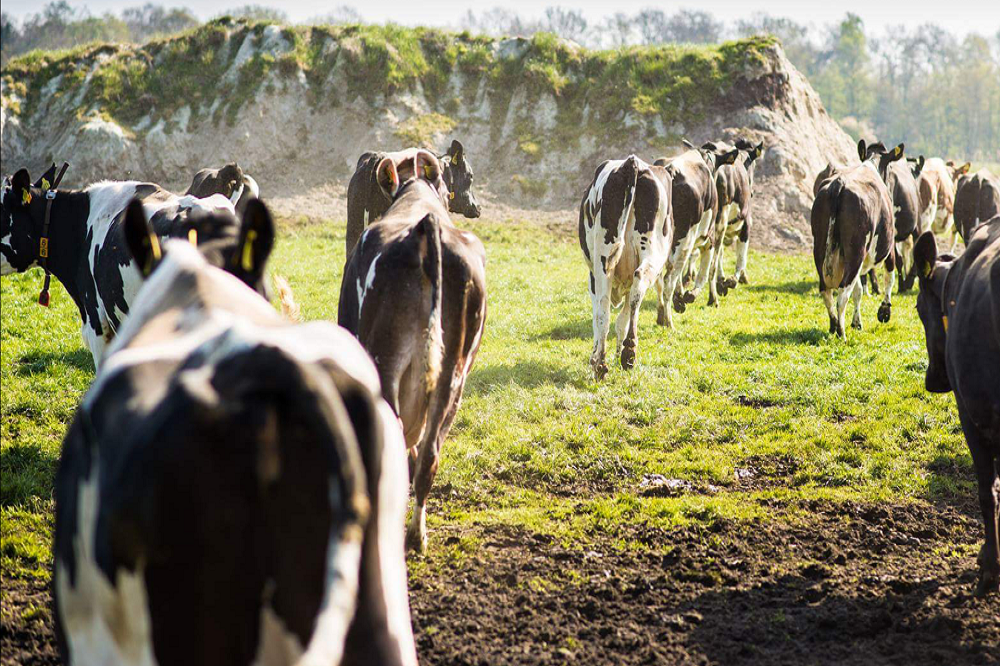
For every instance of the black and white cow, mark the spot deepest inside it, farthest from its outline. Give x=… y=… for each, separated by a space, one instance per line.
x=694 y=206
x=977 y=199
x=959 y=306
x=230 y=181
x=86 y=242
x=906 y=208
x=734 y=184
x=625 y=231
x=232 y=489
x=853 y=228
x=367 y=201
x=414 y=294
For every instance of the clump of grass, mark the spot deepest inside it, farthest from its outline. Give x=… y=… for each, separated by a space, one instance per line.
x=424 y=129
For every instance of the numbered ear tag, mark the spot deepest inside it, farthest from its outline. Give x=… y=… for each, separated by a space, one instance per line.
x=25 y=197
x=248 y=251
x=45 y=185
x=43 y=248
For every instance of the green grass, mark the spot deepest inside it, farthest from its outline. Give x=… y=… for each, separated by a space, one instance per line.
x=537 y=443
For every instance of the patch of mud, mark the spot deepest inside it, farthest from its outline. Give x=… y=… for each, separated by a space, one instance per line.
x=26 y=634
x=847 y=584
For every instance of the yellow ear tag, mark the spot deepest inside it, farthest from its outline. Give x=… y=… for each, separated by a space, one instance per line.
x=451 y=195
x=944 y=320
x=427 y=172
x=25 y=197
x=248 y=251
x=154 y=244
x=193 y=237
x=45 y=185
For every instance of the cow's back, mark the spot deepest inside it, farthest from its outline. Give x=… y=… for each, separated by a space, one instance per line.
x=694 y=192
x=905 y=200
x=977 y=199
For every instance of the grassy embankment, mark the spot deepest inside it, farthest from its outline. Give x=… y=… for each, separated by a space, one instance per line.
x=757 y=384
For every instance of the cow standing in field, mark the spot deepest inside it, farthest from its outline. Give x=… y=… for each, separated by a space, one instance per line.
x=906 y=211
x=414 y=294
x=853 y=228
x=977 y=199
x=85 y=241
x=936 y=187
x=232 y=489
x=230 y=181
x=734 y=184
x=694 y=205
x=625 y=231
x=959 y=306
x=367 y=201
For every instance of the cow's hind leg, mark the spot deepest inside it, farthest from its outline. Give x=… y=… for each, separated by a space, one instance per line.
x=829 y=299
x=704 y=272
x=742 y=249
x=857 y=295
x=601 y=301
x=643 y=276
x=989 y=502
x=888 y=280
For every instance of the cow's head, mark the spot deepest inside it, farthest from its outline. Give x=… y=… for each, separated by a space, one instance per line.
x=458 y=178
x=753 y=152
x=916 y=165
x=240 y=247
x=879 y=155
x=957 y=170
x=22 y=210
x=933 y=271
x=716 y=155
x=391 y=179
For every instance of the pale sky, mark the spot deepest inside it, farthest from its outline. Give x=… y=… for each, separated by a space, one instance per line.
x=982 y=16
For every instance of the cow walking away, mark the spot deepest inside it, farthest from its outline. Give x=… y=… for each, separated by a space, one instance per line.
x=414 y=294
x=625 y=231
x=85 y=243
x=902 y=187
x=853 y=228
x=936 y=187
x=230 y=181
x=959 y=306
x=694 y=205
x=232 y=488
x=977 y=199
x=734 y=185
x=367 y=201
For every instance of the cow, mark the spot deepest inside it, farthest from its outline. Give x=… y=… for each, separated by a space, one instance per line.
x=829 y=171
x=414 y=294
x=734 y=185
x=694 y=203
x=977 y=198
x=906 y=210
x=936 y=187
x=85 y=241
x=959 y=307
x=230 y=181
x=625 y=230
x=232 y=487
x=853 y=228
x=367 y=201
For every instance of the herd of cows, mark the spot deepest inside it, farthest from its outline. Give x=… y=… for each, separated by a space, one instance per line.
x=234 y=484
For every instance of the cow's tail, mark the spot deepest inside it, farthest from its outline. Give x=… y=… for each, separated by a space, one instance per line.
x=630 y=170
x=835 y=188
x=286 y=298
x=430 y=229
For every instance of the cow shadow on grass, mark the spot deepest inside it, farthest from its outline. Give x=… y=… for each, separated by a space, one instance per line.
x=523 y=374
x=803 y=335
x=787 y=287
x=41 y=362
x=27 y=472
x=580 y=329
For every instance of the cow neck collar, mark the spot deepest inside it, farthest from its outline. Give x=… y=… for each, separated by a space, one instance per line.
x=43 y=239
x=68 y=245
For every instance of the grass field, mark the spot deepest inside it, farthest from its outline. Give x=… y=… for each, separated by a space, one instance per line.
x=750 y=413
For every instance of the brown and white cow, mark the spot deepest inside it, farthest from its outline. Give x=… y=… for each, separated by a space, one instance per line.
x=964 y=357
x=367 y=202
x=853 y=228
x=414 y=294
x=977 y=199
x=694 y=206
x=232 y=488
x=734 y=184
x=906 y=210
x=230 y=181
x=936 y=186
x=625 y=230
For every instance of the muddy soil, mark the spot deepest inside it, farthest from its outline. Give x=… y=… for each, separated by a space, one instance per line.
x=837 y=584
x=846 y=584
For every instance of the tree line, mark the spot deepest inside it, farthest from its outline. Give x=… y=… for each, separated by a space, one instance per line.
x=938 y=92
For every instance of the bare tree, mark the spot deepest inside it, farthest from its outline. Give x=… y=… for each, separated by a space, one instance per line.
x=566 y=23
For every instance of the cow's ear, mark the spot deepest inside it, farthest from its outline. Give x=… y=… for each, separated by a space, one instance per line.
x=919 y=166
x=897 y=153
x=387 y=177
x=862 y=149
x=427 y=166
x=688 y=144
x=925 y=255
x=759 y=150
x=141 y=240
x=21 y=184
x=457 y=151
x=256 y=240
x=964 y=168
x=727 y=158
x=46 y=179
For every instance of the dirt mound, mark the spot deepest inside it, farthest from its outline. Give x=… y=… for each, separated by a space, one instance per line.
x=296 y=106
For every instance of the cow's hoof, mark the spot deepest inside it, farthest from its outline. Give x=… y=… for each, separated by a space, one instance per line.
x=713 y=301
x=989 y=583
x=841 y=333
x=661 y=316
x=730 y=283
x=627 y=357
x=744 y=279
x=600 y=371
x=856 y=324
x=721 y=287
x=884 y=313
x=833 y=326
x=416 y=536
x=689 y=296
x=679 y=304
